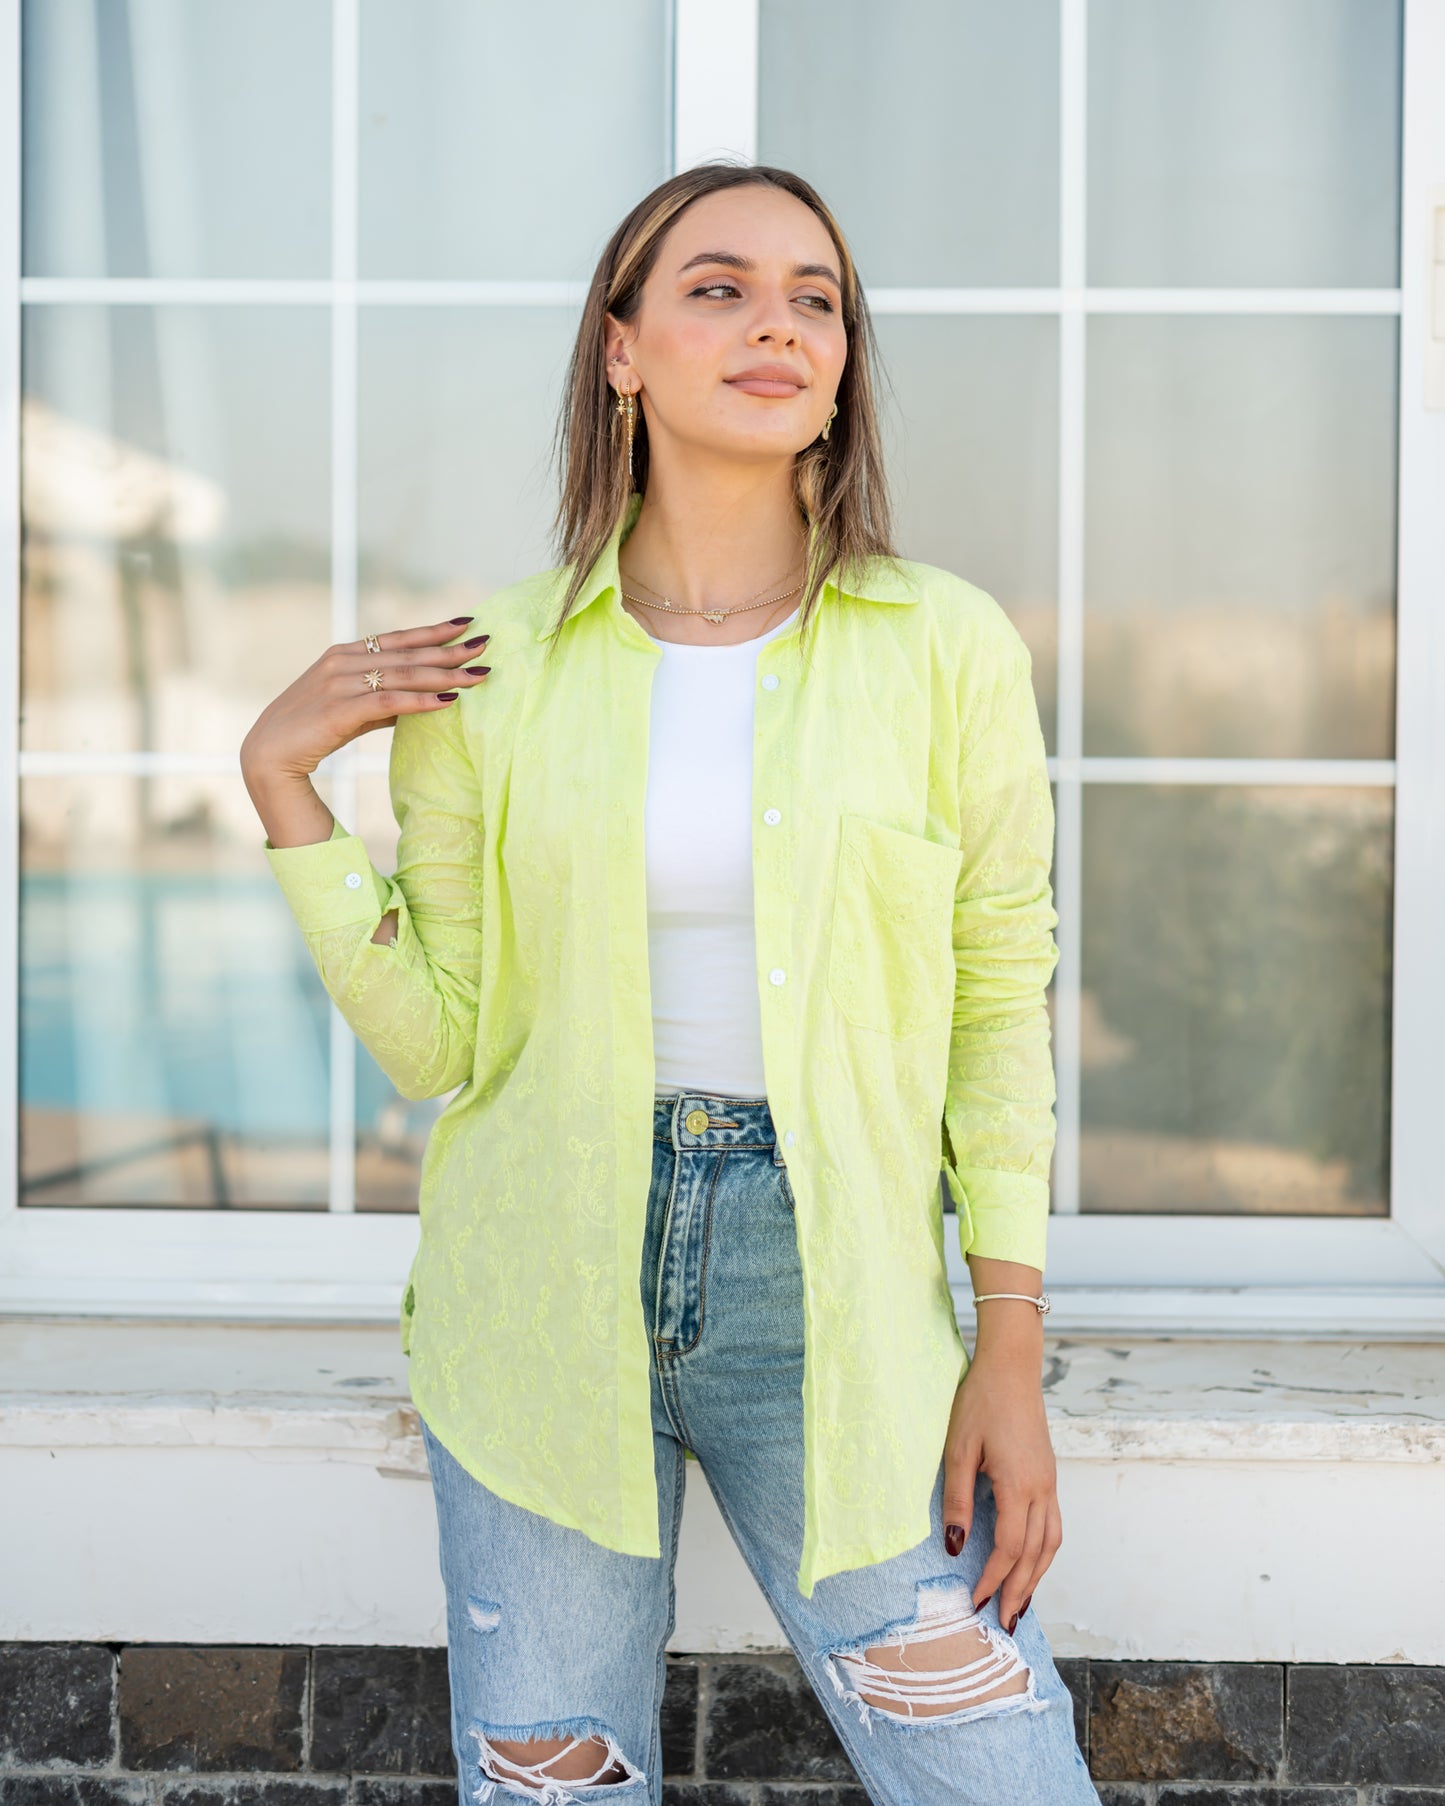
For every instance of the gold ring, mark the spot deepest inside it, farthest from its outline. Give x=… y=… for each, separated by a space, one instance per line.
x=372 y=643
x=374 y=679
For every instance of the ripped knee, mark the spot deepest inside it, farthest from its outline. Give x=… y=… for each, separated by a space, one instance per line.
x=551 y=1769
x=947 y=1661
x=552 y=1764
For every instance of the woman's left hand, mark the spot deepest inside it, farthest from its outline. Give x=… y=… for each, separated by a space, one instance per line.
x=998 y=1426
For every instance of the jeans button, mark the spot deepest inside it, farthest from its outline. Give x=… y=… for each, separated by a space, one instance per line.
x=696 y=1121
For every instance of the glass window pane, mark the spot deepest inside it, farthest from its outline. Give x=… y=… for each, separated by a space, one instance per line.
x=1235 y=999
x=1240 y=553
x=173 y=1032
x=176 y=138
x=1244 y=143
x=487 y=154
x=934 y=136
x=176 y=507
x=455 y=488
x=974 y=463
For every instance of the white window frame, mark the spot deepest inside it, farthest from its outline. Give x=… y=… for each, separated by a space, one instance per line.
x=1166 y=1272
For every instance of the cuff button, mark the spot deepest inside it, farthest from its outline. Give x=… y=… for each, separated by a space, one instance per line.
x=353 y=880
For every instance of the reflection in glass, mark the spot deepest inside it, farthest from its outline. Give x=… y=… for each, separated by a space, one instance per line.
x=391 y=1130
x=505 y=141
x=1240 y=551
x=173 y=1033
x=1235 y=1002
x=456 y=491
x=973 y=461
x=176 y=138
x=1248 y=143
x=934 y=137
x=175 y=498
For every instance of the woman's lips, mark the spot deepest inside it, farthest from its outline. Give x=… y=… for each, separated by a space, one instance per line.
x=764 y=385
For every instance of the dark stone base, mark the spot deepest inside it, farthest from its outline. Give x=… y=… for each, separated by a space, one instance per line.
x=143 y=1724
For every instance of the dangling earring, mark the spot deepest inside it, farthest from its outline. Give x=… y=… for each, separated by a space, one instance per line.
x=828 y=423
x=627 y=409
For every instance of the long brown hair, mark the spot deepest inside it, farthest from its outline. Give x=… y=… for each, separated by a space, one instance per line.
x=839 y=483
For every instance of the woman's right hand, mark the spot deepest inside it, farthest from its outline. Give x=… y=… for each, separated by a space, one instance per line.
x=331 y=703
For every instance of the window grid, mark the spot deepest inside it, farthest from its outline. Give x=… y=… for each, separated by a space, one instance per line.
x=715 y=116
x=712 y=115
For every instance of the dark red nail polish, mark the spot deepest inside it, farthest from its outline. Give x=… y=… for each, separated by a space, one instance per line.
x=461 y=620
x=954 y=1537
x=1012 y=1623
x=477 y=670
x=448 y=695
x=480 y=640
x=983 y=1602
x=1026 y=1604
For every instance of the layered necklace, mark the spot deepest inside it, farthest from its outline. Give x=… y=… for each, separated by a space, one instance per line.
x=716 y=615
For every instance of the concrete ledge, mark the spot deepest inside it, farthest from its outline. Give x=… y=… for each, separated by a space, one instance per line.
x=100 y=1383
x=1208 y=1489
x=1160 y=1398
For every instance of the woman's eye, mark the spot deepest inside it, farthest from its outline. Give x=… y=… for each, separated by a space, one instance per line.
x=714 y=288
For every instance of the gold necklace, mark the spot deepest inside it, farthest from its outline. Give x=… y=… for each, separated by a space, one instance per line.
x=716 y=615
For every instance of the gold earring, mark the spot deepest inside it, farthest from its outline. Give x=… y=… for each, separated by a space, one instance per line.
x=627 y=408
x=828 y=423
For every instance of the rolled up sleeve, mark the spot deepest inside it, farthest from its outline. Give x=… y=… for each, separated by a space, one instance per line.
x=332 y=883
x=412 y=1001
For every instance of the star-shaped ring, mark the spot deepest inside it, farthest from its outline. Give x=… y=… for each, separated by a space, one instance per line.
x=374 y=678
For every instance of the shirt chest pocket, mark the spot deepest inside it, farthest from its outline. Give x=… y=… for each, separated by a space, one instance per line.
x=890 y=962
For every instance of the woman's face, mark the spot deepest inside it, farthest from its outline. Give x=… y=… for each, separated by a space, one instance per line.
x=746 y=277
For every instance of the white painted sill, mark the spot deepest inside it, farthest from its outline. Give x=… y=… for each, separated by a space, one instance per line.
x=341 y=1391
x=223 y=1482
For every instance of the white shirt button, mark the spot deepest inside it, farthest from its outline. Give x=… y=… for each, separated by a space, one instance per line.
x=777 y=975
x=789 y=1138
x=772 y=817
x=770 y=682
x=353 y=880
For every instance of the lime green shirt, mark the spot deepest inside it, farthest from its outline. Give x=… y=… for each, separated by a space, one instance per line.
x=904 y=920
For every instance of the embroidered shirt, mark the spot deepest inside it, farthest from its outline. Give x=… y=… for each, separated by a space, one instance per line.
x=902 y=836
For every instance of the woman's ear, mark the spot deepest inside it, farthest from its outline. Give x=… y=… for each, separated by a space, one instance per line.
x=615 y=344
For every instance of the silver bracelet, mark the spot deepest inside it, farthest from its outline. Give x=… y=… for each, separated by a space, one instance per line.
x=1042 y=1303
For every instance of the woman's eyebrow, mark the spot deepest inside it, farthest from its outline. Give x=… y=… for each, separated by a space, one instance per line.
x=737 y=262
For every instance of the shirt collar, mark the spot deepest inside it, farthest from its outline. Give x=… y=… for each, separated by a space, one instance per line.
x=880 y=581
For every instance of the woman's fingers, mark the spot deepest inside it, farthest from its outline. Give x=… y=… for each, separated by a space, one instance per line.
x=1019 y=1538
x=407 y=639
x=960 y=1476
x=332 y=702
x=1018 y=1583
x=397 y=676
x=1010 y=1528
x=1053 y=1540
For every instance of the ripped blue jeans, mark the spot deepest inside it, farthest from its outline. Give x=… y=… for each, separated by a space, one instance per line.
x=556 y=1645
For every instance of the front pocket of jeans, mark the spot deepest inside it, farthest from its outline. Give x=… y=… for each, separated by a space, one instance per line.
x=890 y=962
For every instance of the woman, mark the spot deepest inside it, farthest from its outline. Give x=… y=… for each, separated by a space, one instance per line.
x=722 y=894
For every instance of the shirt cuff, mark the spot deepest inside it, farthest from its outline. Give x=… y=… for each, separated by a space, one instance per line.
x=1001 y=1216
x=331 y=883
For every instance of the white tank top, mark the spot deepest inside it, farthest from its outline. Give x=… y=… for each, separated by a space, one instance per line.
x=706 y=1015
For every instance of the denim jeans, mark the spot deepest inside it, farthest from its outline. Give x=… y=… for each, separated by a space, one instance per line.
x=550 y=1635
